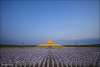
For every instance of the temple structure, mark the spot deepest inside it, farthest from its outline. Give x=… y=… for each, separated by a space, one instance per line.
x=49 y=44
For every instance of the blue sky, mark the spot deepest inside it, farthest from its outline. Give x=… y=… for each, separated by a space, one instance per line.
x=62 y=22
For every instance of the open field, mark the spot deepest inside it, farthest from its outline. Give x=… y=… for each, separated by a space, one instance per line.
x=67 y=57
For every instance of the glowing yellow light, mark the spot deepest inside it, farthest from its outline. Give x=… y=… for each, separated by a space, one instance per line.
x=49 y=43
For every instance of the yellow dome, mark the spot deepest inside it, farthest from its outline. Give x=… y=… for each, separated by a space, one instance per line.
x=49 y=42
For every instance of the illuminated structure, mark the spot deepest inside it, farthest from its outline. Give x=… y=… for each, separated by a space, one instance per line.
x=49 y=44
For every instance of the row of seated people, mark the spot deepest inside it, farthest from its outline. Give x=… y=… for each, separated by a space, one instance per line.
x=46 y=57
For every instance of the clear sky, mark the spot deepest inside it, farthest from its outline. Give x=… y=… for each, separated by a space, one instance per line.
x=62 y=22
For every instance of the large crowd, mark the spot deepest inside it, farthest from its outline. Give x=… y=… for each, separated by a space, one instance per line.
x=75 y=57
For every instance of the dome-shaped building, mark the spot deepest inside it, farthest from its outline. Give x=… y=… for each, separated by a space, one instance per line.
x=49 y=44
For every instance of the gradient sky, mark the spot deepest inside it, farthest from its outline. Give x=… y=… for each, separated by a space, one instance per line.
x=62 y=22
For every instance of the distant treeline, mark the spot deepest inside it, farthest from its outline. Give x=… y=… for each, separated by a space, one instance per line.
x=18 y=45
x=90 y=45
